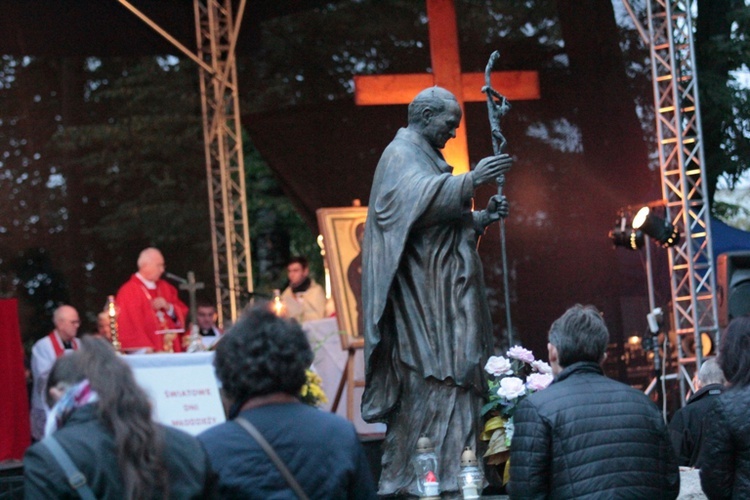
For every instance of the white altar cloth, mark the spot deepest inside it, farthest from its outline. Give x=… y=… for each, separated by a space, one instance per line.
x=182 y=387
x=329 y=363
x=185 y=392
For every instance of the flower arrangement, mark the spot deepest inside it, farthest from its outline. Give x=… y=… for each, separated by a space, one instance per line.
x=511 y=379
x=312 y=392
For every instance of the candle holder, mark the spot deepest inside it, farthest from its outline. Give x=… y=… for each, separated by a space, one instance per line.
x=277 y=305
x=112 y=313
x=196 y=343
x=470 y=479
x=426 y=467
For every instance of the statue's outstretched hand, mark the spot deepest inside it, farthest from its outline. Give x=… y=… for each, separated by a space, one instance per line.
x=490 y=168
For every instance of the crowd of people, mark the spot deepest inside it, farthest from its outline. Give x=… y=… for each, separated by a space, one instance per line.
x=102 y=420
x=584 y=436
x=588 y=436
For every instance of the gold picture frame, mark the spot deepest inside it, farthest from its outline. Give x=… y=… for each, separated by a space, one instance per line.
x=342 y=229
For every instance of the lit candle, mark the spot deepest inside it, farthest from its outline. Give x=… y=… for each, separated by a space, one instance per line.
x=431 y=485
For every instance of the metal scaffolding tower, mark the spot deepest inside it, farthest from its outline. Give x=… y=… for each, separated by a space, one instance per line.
x=216 y=34
x=681 y=160
x=217 y=27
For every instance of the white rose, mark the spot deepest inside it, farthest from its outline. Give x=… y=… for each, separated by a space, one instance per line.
x=518 y=352
x=498 y=365
x=511 y=388
x=541 y=366
x=538 y=381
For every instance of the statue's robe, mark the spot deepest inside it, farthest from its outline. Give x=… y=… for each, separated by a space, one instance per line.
x=427 y=325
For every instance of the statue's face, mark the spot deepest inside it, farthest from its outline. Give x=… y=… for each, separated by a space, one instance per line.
x=441 y=127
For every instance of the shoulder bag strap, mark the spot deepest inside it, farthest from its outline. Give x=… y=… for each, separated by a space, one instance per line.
x=76 y=479
x=250 y=428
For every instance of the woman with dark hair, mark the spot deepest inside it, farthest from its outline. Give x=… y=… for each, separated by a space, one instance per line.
x=261 y=364
x=102 y=419
x=725 y=455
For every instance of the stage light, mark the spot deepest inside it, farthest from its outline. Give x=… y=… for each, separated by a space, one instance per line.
x=688 y=345
x=623 y=235
x=659 y=229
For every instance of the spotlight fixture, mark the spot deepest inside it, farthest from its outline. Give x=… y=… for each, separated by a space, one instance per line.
x=659 y=229
x=688 y=345
x=623 y=235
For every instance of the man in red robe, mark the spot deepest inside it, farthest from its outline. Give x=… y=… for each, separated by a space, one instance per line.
x=149 y=309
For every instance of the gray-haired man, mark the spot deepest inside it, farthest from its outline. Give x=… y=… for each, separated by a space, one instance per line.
x=588 y=436
x=686 y=426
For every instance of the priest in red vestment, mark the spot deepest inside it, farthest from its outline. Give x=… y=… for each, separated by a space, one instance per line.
x=149 y=308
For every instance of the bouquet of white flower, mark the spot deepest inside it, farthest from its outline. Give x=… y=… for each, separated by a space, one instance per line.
x=511 y=379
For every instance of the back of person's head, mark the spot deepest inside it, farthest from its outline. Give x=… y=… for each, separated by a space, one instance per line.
x=580 y=334
x=204 y=304
x=710 y=373
x=124 y=409
x=262 y=354
x=734 y=356
x=65 y=373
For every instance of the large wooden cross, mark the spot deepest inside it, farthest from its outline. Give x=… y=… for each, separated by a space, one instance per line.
x=375 y=90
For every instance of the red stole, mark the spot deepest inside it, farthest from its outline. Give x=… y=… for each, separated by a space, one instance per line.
x=58 y=346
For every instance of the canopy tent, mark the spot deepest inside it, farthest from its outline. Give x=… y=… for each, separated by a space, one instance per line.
x=726 y=238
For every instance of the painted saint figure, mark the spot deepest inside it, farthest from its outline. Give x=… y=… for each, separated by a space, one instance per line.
x=427 y=324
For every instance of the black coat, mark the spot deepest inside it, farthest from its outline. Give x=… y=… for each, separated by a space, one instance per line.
x=92 y=449
x=686 y=426
x=725 y=456
x=587 y=436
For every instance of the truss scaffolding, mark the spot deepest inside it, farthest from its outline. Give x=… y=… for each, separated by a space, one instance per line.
x=216 y=34
x=669 y=36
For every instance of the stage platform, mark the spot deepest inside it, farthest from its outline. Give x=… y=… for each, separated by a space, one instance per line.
x=11 y=480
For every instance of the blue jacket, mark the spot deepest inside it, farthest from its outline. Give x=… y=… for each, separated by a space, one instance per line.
x=321 y=450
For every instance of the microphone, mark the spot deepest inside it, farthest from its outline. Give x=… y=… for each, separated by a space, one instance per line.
x=176 y=278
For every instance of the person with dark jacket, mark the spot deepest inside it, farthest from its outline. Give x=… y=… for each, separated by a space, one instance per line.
x=587 y=436
x=686 y=426
x=102 y=420
x=261 y=363
x=725 y=455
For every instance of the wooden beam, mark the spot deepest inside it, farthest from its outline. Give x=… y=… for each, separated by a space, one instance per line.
x=381 y=90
